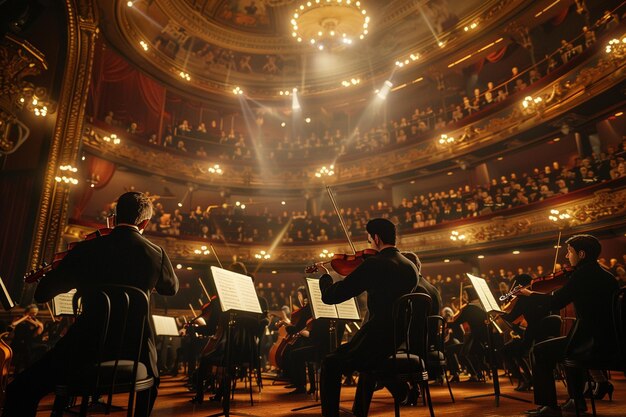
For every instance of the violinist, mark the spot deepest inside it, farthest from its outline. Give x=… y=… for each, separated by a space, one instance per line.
x=591 y=289
x=304 y=346
x=27 y=343
x=516 y=350
x=385 y=277
x=122 y=257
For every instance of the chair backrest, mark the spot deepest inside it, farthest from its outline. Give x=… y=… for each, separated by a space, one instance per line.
x=410 y=324
x=548 y=327
x=436 y=333
x=619 y=322
x=118 y=316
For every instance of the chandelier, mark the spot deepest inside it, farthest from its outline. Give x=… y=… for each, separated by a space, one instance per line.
x=329 y=24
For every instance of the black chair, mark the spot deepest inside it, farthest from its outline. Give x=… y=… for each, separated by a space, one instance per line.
x=118 y=318
x=406 y=364
x=549 y=327
x=619 y=361
x=436 y=362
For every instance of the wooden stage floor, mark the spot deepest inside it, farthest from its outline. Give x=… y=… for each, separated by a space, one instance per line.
x=173 y=400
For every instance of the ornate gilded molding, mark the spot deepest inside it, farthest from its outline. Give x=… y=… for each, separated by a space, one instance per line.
x=597 y=76
x=52 y=216
x=603 y=206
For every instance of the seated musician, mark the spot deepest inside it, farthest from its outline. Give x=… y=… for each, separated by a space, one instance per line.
x=27 y=338
x=248 y=329
x=591 y=289
x=516 y=350
x=385 y=277
x=473 y=353
x=122 y=257
x=312 y=345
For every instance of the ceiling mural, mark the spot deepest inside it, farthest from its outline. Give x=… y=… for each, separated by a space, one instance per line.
x=225 y=43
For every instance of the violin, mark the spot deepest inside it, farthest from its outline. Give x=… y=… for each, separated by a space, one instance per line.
x=343 y=263
x=36 y=275
x=545 y=283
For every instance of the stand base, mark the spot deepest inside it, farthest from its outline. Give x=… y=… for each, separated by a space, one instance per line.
x=310 y=406
x=224 y=413
x=497 y=398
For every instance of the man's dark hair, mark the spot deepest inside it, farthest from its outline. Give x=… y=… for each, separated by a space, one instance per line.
x=586 y=243
x=133 y=208
x=522 y=279
x=384 y=228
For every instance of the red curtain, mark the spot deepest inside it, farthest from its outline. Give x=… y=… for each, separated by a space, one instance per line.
x=100 y=171
x=560 y=18
x=496 y=56
x=129 y=94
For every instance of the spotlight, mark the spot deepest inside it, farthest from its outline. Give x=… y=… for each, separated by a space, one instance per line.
x=384 y=91
x=295 y=103
x=283 y=124
x=129 y=4
x=237 y=91
x=308 y=120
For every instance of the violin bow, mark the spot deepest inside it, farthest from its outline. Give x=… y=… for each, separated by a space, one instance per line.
x=216 y=257
x=206 y=293
x=343 y=225
x=556 y=254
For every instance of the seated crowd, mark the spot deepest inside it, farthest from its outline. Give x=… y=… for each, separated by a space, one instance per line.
x=233 y=145
x=234 y=224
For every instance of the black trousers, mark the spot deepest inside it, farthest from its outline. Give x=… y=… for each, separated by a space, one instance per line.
x=297 y=369
x=544 y=358
x=513 y=354
x=29 y=387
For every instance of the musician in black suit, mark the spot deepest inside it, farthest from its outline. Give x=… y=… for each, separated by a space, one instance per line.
x=385 y=277
x=425 y=287
x=122 y=257
x=591 y=288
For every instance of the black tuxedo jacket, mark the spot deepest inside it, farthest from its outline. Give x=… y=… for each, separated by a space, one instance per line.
x=386 y=277
x=591 y=288
x=123 y=257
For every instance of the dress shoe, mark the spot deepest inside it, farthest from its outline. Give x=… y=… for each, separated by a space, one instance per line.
x=523 y=386
x=197 y=399
x=299 y=390
x=290 y=386
x=311 y=391
x=603 y=388
x=411 y=396
x=570 y=406
x=545 y=411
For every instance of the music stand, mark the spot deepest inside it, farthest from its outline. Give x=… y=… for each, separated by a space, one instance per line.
x=491 y=307
x=236 y=294
x=347 y=311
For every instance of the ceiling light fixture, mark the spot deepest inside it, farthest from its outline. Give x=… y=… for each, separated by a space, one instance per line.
x=329 y=24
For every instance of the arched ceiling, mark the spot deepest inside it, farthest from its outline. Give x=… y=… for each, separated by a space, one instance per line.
x=220 y=44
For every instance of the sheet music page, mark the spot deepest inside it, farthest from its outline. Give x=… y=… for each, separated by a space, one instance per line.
x=235 y=291
x=62 y=304
x=348 y=310
x=164 y=325
x=320 y=309
x=484 y=293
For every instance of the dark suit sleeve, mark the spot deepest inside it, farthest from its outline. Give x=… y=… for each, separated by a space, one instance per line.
x=61 y=279
x=354 y=284
x=168 y=281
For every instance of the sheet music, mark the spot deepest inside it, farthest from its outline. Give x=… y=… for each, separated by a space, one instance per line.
x=165 y=326
x=348 y=310
x=484 y=294
x=320 y=309
x=62 y=304
x=235 y=291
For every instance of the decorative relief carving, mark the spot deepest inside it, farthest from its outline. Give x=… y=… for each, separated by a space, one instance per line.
x=66 y=139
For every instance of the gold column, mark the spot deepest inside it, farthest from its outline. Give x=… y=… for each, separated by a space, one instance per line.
x=82 y=29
